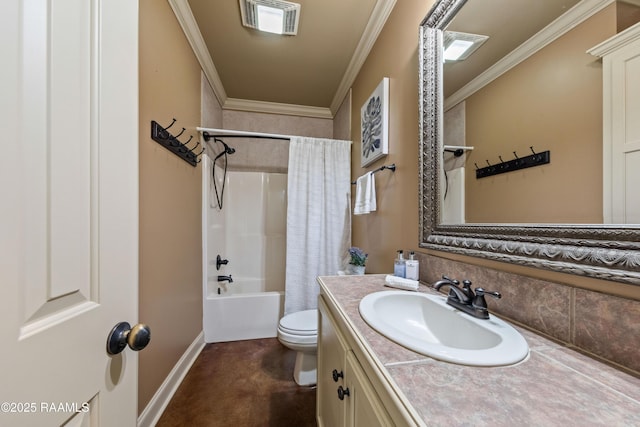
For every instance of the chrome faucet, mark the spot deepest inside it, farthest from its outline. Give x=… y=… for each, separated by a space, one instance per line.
x=465 y=299
x=225 y=279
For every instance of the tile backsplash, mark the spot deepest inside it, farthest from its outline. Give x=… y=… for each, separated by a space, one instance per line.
x=605 y=326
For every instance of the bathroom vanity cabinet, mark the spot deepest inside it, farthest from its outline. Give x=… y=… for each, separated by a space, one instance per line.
x=390 y=385
x=345 y=395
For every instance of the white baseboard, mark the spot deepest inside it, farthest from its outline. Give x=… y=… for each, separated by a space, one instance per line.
x=152 y=412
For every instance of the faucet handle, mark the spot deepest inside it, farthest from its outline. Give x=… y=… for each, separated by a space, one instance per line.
x=479 y=301
x=466 y=288
x=494 y=294
x=220 y=261
x=454 y=281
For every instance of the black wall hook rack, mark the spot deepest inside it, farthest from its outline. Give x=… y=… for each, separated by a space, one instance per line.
x=163 y=137
x=535 y=159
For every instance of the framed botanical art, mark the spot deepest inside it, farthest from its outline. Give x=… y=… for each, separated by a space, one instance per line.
x=374 y=124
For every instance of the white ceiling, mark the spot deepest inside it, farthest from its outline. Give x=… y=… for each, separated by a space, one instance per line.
x=307 y=74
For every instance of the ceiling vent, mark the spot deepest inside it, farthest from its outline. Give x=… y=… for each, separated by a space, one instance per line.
x=274 y=16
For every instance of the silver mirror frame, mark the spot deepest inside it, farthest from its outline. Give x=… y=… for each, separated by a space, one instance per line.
x=605 y=252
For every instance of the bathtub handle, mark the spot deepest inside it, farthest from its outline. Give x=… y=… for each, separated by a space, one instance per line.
x=220 y=261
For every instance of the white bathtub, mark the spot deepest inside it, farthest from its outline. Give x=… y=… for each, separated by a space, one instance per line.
x=241 y=311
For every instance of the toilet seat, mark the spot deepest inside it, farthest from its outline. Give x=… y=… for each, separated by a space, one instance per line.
x=299 y=328
x=302 y=323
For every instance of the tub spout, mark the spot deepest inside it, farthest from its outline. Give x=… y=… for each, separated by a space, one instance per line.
x=225 y=279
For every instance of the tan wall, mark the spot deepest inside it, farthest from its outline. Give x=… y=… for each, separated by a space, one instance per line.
x=210 y=109
x=552 y=101
x=342 y=119
x=628 y=14
x=170 y=199
x=395 y=55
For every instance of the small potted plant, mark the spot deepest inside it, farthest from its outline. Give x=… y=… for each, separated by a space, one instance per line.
x=357 y=260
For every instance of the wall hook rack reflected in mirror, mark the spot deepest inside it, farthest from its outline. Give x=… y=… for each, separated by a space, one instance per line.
x=535 y=159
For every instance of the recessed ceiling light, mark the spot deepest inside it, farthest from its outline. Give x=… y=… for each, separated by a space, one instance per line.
x=273 y=16
x=270 y=19
x=458 y=46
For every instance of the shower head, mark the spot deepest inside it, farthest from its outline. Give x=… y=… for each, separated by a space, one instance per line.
x=456 y=153
x=227 y=149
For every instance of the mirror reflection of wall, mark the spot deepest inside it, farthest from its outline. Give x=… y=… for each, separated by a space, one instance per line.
x=453 y=175
x=551 y=101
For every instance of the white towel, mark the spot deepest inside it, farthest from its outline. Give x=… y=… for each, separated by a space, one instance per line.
x=401 y=283
x=365 y=194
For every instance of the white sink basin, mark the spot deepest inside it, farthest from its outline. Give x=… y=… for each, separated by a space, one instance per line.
x=426 y=324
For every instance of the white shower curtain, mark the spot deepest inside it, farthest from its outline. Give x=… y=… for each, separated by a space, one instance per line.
x=318 y=216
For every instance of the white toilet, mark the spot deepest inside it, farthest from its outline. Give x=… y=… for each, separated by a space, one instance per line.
x=299 y=331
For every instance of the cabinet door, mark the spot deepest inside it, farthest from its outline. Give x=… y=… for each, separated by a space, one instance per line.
x=331 y=356
x=364 y=407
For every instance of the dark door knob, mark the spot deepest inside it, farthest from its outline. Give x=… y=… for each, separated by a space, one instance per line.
x=123 y=334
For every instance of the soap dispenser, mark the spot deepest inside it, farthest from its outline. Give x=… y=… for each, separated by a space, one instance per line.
x=399 y=266
x=412 y=267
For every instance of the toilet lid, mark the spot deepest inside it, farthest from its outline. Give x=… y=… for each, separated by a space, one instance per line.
x=300 y=323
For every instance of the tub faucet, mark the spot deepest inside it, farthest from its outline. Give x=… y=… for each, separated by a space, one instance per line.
x=225 y=279
x=465 y=299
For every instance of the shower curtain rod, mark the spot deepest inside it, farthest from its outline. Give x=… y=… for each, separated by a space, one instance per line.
x=209 y=133
x=458 y=147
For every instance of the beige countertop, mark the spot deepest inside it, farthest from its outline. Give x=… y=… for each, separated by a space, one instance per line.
x=555 y=386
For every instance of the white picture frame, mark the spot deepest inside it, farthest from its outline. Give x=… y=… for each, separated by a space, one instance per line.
x=374 y=125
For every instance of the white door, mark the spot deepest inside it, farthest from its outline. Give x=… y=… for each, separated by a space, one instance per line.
x=621 y=68
x=68 y=210
x=626 y=135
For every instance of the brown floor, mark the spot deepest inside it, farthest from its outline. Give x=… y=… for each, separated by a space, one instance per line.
x=242 y=383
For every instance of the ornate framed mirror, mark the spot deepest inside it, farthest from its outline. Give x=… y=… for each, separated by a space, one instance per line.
x=603 y=251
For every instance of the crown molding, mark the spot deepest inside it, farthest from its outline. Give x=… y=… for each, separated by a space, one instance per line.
x=190 y=28
x=614 y=43
x=277 y=108
x=379 y=16
x=575 y=16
